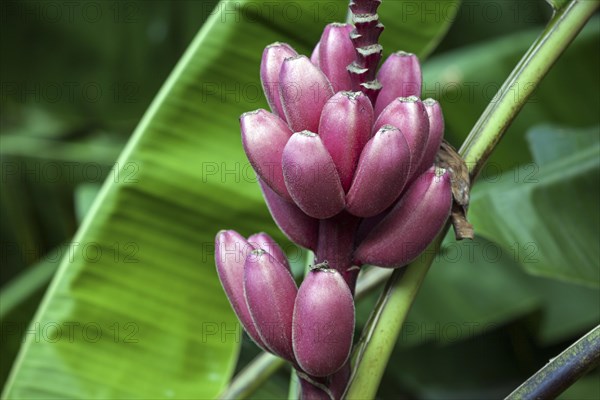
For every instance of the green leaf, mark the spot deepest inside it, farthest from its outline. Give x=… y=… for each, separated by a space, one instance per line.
x=567 y=310
x=549 y=142
x=484 y=368
x=476 y=286
x=546 y=213
x=471 y=288
x=586 y=388
x=415 y=26
x=480 y=21
x=136 y=309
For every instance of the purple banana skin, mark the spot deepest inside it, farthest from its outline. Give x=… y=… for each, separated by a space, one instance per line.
x=323 y=323
x=311 y=177
x=339 y=380
x=411 y=225
x=436 y=133
x=262 y=241
x=264 y=136
x=409 y=115
x=270 y=292
x=345 y=129
x=270 y=67
x=312 y=389
x=400 y=76
x=304 y=90
x=336 y=52
x=325 y=388
x=368 y=224
x=231 y=250
x=297 y=226
x=336 y=243
x=381 y=174
x=314 y=57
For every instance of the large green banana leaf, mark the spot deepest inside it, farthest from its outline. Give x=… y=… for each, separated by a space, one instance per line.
x=135 y=309
x=546 y=213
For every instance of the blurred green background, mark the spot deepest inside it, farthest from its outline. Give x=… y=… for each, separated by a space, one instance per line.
x=76 y=79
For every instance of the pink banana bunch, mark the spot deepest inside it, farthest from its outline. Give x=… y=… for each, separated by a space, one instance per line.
x=345 y=160
x=335 y=147
x=311 y=327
